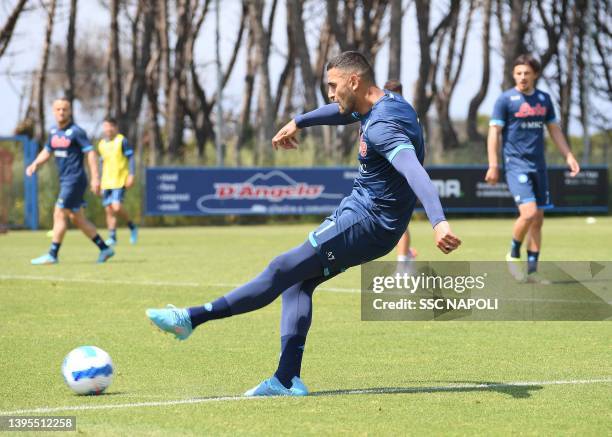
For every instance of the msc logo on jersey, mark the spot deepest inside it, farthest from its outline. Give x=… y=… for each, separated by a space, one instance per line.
x=526 y=110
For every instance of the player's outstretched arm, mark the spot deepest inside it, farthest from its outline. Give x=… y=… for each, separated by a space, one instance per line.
x=42 y=157
x=92 y=162
x=330 y=115
x=559 y=139
x=492 y=176
x=407 y=163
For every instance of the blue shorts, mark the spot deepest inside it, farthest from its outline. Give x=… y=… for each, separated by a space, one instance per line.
x=114 y=195
x=529 y=186
x=346 y=239
x=72 y=196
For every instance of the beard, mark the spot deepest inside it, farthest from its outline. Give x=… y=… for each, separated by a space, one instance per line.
x=347 y=105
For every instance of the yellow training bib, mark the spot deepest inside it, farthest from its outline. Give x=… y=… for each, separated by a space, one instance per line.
x=115 y=165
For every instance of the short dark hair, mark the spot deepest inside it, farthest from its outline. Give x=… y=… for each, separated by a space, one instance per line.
x=63 y=99
x=528 y=59
x=354 y=62
x=394 y=85
x=111 y=120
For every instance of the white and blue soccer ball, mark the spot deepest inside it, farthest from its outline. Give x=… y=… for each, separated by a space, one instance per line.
x=88 y=370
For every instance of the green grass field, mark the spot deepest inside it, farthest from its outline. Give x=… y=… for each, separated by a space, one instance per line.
x=418 y=377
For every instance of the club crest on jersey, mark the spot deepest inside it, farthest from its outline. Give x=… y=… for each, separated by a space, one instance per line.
x=58 y=142
x=526 y=110
x=363 y=147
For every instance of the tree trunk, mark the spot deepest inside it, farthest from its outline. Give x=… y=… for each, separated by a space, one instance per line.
x=115 y=76
x=513 y=41
x=43 y=72
x=395 y=40
x=70 y=52
x=244 y=124
x=472 y=118
x=7 y=30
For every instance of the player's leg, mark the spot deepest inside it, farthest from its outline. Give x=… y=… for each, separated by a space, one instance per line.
x=296 y=318
x=534 y=241
x=60 y=225
x=111 y=225
x=120 y=211
x=404 y=251
x=78 y=218
x=294 y=266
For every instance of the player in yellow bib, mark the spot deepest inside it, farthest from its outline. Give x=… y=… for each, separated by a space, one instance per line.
x=117 y=159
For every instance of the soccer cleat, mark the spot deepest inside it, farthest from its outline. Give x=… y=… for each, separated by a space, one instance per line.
x=515 y=268
x=535 y=278
x=173 y=320
x=273 y=387
x=134 y=235
x=44 y=260
x=110 y=242
x=105 y=254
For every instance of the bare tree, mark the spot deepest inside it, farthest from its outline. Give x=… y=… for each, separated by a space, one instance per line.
x=455 y=51
x=262 y=37
x=513 y=34
x=395 y=40
x=70 y=51
x=244 y=125
x=42 y=72
x=115 y=76
x=472 y=117
x=6 y=33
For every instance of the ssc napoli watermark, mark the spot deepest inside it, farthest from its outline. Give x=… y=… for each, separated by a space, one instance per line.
x=485 y=290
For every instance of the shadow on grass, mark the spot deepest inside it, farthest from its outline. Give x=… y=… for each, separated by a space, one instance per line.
x=517 y=391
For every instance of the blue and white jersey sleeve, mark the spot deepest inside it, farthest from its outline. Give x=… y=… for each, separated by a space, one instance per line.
x=500 y=112
x=47 y=145
x=126 y=149
x=81 y=138
x=551 y=116
x=387 y=138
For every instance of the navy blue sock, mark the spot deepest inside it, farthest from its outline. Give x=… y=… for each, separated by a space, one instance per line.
x=99 y=242
x=284 y=271
x=54 y=249
x=112 y=233
x=131 y=225
x=532 y=261
x=290 y=362
x=515 y=249
x=210 y=311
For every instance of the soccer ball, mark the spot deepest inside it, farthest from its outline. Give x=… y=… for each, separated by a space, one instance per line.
x=88 y=370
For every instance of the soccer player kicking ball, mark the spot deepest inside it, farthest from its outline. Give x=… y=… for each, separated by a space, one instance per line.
x=366 y=225
x=117 y=175
x=69 y=143
x=519 y=115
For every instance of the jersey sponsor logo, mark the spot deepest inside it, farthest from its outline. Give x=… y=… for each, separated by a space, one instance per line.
x=363 y=146
x=526 y=110
x=532 y=125
x=58 y=142
x=60 y=153
x=512 y=98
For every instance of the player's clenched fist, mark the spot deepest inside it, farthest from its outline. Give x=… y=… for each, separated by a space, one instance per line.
x=286 y=137
x=492 y=175
x=445 y=239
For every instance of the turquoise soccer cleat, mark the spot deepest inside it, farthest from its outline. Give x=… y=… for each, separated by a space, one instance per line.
x=273 y=387
x=173 y=320
x=45 y=259
x=105 y=254
x=134 y=235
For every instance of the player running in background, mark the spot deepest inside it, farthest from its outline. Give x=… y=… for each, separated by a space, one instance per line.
x=118 y=166
x=69 y=143
x=366 y=225
x=519 y=116
x=405 y=253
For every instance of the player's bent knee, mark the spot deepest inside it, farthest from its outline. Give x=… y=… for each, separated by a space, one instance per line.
x=529 y=212
x=115 y=206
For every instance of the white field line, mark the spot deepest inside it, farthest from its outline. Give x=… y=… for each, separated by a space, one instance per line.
x=147 y=283
x=444 y=388
x=229 y=285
